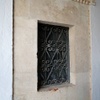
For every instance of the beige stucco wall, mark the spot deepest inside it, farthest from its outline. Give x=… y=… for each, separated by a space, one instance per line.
x=26 y=15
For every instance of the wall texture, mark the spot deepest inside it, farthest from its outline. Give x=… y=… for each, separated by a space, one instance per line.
x=5 y=49
x=26 y=15
x=95 y=29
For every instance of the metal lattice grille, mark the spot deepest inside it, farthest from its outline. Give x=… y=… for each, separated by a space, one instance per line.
x=86 y=1
x=53 y=54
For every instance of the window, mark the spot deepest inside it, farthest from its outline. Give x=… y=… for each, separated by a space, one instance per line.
x=53 y=55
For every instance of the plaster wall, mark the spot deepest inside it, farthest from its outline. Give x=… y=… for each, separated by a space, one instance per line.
x=26 y=15
x=95 y=30
x=5 y=49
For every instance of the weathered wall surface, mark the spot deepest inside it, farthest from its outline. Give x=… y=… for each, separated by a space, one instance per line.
x=26 y=15
x=95 y=29
x=5 y=49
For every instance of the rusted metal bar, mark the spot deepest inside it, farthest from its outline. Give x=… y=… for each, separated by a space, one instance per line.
x=87 y=2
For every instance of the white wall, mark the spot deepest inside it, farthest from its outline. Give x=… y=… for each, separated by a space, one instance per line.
x=95 y=28
x=5 y=49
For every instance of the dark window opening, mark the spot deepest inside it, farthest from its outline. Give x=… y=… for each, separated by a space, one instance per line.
x=53 y=55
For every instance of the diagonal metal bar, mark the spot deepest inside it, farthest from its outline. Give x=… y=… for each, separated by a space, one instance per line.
x=52 y=69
